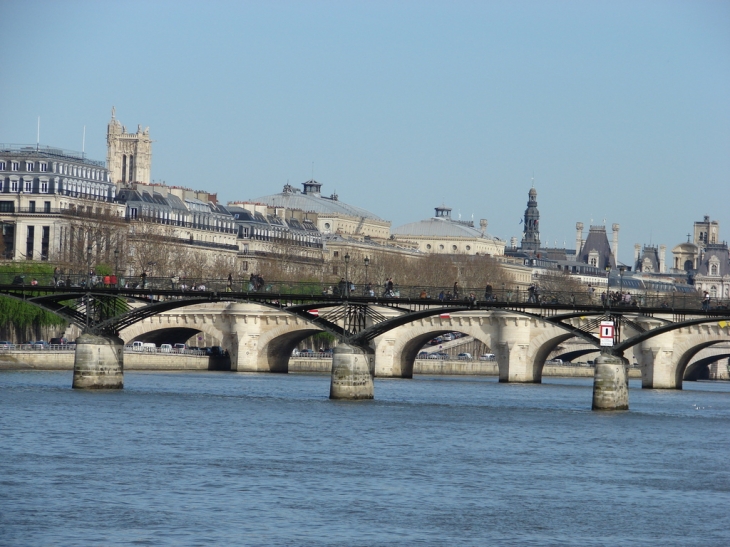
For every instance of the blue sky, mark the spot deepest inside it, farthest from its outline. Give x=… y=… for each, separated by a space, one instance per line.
x=620 y=109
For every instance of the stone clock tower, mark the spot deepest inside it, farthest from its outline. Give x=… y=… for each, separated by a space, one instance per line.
x=531 y=235
x=129 y=155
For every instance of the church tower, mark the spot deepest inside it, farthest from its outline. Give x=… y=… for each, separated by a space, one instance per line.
x=129 y=155
x=531 y=235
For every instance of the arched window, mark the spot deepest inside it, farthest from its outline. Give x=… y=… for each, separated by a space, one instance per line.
x=713 y=269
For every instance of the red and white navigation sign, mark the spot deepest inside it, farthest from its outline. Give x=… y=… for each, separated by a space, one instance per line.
x=606 y=333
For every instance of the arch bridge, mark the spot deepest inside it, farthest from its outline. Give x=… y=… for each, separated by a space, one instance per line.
x=261 y=329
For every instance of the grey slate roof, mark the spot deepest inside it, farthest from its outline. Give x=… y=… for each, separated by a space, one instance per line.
x=314 y=202
x=597 y=240
x=439 y=227
x=723 y=257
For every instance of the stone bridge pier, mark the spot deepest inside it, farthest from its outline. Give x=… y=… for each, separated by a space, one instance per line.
x=98 y=362
x=512 y=349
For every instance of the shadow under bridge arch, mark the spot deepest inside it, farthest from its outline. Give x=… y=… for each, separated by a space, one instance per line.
x=168 y=335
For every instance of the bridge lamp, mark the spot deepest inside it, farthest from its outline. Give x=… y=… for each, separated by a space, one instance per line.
x=367 y=263
x=347 y=279
x=88 y=265
x=116 y=262
x=621 y=270
x=88 y=284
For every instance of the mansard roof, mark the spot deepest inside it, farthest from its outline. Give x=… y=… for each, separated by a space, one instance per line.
x=715 y=254
x=652 y=254
x=597 y=241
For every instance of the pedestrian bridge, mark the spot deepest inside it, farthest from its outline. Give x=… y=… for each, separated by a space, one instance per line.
x=260 y=330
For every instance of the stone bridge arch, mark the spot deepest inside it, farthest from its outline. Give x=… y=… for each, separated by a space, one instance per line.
x=664 y=358
x=266 y=338
x=520 y=342
x=686 y=352
x=396 y=350
x=196 y=318
x=700 y=367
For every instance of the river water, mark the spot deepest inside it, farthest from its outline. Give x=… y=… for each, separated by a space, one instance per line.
x=263 y=459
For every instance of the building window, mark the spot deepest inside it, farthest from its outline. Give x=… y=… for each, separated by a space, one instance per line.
x=441 y=247
x=713 y=269
x=29 y=243
x=13 y=185
x=28 y=186
x=28 y=165
x=7 y=207
x=43 y=167
x=46 y=206
x=2 y=166
x=428 y=246
x=2 y=185
x=336 y=254
x=468 y=247
x=44 y=187
x=453 y=247
x=334 y=270
x=15 y=166
x=31 y=206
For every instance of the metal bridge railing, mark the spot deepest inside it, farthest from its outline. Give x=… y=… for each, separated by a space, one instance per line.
x=423 y=293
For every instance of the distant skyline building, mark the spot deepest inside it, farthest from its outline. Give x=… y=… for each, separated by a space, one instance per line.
x=531 y=233
x=441 y=234
x=129 y=155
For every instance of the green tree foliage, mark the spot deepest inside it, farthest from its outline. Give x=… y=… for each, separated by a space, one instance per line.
x=23 y=315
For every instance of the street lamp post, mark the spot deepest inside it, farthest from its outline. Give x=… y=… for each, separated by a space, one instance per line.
x=116 y=266
x=88 y=285
x=621 y=270
x=88 y=266
x=367 y=263
x=347 y=279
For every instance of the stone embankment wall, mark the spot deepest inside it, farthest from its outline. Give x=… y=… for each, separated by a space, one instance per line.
x=64 y=360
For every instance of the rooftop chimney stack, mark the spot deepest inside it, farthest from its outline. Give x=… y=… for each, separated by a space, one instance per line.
x=662 y=252
x=578 y=238
x=615 y=228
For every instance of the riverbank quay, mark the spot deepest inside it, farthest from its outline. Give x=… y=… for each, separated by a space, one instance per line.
x=64 y=360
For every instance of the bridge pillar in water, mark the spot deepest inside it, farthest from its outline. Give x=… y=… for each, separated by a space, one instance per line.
x=99 y=362
x=657 y=361
x=611 y=383
x=352 y=373
x=512 y=349
x=387 y=363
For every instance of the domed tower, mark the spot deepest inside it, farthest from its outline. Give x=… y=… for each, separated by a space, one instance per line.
x=531 y=235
